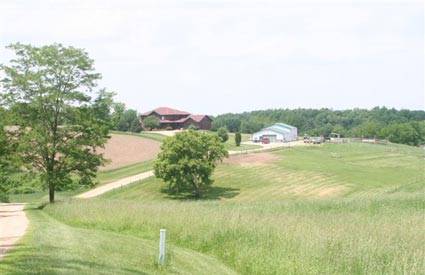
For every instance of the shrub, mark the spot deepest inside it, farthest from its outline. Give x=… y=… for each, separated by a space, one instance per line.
x=223 y=134
x=238 y=138
x=151 y=122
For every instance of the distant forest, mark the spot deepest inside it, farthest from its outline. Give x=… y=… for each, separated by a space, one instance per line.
x=399 y=126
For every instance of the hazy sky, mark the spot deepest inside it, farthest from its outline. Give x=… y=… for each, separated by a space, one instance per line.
x=216 y=56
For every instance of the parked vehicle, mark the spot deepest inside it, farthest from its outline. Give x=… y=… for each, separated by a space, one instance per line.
x=317 y=140
x=265 y=141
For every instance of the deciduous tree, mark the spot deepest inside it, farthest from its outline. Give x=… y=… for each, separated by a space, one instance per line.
x=188 y=159
x=57 y=129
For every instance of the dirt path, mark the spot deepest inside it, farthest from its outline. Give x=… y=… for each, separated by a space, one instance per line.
x=13 y=224
x=108 y=187
x=268 y=146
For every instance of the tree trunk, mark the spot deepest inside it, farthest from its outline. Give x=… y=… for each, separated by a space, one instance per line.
x=51 y=193
x=51 y=183
x=197 y=190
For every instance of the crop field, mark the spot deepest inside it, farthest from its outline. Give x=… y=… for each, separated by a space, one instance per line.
x=124 y=150
x=330 y=209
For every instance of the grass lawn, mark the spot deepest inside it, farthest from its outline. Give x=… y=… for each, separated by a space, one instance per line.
x=231 y=146
x=109 y=176
x=144 y=134
x=330 y=209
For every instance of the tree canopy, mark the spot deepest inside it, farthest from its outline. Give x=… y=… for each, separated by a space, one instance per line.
x=129 y=121
x=57 y=124
x=5 y=154
x=188 y=159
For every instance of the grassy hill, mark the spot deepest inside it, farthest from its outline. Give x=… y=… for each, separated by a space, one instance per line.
x=331 y=209
x=332 y=170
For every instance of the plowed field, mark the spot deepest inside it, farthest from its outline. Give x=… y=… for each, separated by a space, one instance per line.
x=123 y=150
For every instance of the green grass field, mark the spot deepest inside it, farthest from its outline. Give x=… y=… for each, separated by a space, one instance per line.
x=230 y=144
x=144 y=134
x=330 y=209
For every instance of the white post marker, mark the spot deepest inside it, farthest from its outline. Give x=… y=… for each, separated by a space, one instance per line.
x=162 y=235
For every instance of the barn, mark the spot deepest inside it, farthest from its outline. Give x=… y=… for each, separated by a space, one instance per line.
x=278 y=132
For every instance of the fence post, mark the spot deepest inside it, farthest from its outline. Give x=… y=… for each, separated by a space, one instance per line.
x=162 y=235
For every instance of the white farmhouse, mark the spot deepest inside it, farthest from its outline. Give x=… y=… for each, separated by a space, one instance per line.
x=278 y=132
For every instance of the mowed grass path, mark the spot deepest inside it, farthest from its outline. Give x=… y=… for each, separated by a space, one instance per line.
x=332 y=209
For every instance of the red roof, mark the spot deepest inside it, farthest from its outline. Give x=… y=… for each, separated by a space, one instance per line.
x=164 y=111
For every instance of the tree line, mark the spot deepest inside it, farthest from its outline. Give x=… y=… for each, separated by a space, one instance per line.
x=399 y=126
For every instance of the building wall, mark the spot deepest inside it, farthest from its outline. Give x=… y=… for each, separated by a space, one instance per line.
x=166 y=117
x=204 y=124
x=257 y=136
x=291 y=136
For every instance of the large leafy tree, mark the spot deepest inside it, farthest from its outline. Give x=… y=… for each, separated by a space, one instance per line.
x=188 y=159
x=56 y=124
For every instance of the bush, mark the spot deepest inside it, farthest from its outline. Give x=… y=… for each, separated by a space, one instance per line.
x=151 y=122
x=223 y=134
x=168 y=128
x=192 y=127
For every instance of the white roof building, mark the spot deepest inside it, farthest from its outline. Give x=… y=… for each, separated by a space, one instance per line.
x=278 y=132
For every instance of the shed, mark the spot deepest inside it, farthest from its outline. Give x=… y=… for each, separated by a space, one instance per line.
x=278 y=132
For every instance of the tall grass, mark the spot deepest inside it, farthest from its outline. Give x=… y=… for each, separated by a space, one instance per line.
x=383 y=235
x=51 y=247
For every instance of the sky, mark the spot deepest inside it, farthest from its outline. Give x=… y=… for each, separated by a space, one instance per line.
x=219 y=56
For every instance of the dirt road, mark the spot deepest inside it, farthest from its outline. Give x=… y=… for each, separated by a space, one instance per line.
x=108 y=187
x=13 y=224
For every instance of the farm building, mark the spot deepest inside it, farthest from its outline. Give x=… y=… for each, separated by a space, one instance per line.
x=178 y=119
x=278 y=132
